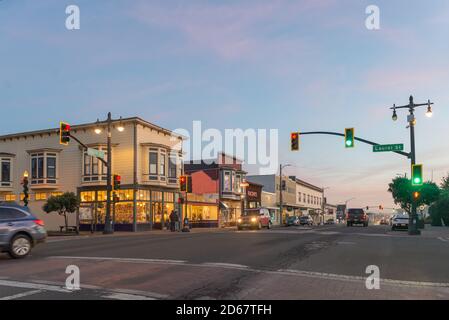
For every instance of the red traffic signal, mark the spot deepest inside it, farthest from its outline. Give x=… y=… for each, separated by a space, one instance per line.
x=294 y=140
x=117 y=181
x=185 y=183
x=64 y=133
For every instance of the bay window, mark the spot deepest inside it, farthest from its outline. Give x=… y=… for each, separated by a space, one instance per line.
x=162 y=165
x=153 y=157
x=43 y=168
x=5 y=172
x=93 y=169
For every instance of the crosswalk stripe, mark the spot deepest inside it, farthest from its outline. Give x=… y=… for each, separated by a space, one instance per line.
x=21 y=295
x=126 y=296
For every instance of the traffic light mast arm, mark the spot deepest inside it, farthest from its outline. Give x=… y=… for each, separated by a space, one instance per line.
x=405 y=154
x=86 y=147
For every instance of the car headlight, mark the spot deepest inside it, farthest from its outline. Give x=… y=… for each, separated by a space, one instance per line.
x=253 y=219
x=239 y=220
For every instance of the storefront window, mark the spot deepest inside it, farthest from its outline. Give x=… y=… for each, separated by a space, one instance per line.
x=124 y=212
x=156 y=196
x=200 y=213
x=143 y=212
x=143 y=195
x=125 y=195
x=88 y=196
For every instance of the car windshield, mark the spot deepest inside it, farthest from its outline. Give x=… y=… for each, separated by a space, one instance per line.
x=252 y=212
x=355 y=211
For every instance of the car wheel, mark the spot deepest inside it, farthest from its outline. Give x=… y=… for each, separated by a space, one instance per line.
x=20 y=246
x=348 y=224
x=269 y=225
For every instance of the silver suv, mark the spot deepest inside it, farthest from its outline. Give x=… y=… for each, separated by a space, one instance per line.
x=20 y=231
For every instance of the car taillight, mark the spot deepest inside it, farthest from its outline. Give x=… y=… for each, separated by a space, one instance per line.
x=39 y=222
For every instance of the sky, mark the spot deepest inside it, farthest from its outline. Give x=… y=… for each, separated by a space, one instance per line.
x=302 y=65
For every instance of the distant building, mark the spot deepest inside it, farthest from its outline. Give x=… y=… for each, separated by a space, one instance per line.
x=298 y=196
x=216 y=191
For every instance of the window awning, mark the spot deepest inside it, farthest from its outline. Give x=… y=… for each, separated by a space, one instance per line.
x=224 y=206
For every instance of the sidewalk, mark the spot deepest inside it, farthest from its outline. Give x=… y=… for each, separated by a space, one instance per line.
x=99 y=234
x=435 y=232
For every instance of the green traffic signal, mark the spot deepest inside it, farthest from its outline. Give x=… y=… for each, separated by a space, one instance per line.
x=417 y=175
x=349 y=137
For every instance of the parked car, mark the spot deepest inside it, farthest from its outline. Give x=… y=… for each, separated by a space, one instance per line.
x=330 y=221
x=306 y=221
x=20 y=230
x=292 y=221
x=384 y=222
x=356 y=216
x=399 y=221
x=255 y=219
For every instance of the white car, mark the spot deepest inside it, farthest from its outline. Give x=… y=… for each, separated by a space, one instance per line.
x=399 y=221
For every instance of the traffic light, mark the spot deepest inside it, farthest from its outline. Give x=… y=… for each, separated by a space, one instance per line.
x=416 y=195
x=186 y=183
x=117 y=181
x=64 y=133
x=349 y=137
x=294 y=138
x=417 y=177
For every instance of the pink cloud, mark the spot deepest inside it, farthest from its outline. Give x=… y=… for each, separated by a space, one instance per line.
x=227 y=30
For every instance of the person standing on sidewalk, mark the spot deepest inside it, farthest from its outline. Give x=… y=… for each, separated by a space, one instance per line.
x=173 y=217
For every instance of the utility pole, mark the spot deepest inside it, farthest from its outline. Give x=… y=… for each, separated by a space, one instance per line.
x=280 y=193
x=413 y=219
x=107 y=220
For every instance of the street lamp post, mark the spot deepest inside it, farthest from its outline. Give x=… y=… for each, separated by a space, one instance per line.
x=107 y=221
x=413 y=226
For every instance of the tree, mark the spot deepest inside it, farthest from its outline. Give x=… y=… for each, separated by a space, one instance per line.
x=445 y=183
x=439 y=211
x=62 y=204
x=402 y=192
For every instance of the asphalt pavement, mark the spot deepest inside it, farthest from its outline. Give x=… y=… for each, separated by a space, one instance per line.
x=322 y=262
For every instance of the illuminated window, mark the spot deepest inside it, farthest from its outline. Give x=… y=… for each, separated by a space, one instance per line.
x=55 y=194
x=87 y=196
x=40 y=196
x=5 y=172
x=10 y=197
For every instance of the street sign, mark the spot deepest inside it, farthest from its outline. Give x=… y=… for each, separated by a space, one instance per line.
x=388 y=147
x=95 y=153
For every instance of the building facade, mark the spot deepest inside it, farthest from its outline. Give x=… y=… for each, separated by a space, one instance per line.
x=310 y=200
x=147 y=157
x=298 y=197
x=218 y=180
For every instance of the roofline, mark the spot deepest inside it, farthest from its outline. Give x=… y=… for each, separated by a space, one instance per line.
x=92 y=124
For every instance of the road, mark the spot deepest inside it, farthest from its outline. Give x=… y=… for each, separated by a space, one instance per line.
x=323 y=262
